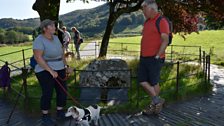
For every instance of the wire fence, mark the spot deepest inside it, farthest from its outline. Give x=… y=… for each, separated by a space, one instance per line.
x=176 y=55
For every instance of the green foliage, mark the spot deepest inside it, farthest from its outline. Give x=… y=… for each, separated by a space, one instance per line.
x=12 y=23
x=13 y=37
x=24 y=30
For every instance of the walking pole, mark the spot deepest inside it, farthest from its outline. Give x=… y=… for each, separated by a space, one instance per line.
x=14 y=107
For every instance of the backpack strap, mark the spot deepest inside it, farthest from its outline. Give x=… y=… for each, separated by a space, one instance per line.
x=158 y=23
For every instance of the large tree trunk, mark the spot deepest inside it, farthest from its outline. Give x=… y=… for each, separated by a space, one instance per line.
x=114 y=14
x=47 y=9
x=105 y=41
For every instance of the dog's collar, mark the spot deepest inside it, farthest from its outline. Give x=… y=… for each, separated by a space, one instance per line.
x=87 y=115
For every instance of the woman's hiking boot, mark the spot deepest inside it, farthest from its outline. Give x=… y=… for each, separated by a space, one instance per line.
x=47 y=120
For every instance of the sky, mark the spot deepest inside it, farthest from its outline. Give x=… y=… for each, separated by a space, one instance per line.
x=22 y=9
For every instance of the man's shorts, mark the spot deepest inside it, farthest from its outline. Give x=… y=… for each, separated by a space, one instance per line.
x=149 y=70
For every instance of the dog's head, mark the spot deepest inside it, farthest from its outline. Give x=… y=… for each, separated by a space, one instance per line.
x=72 y=111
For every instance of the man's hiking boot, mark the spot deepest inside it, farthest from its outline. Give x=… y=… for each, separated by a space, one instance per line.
x=159 y=106
x=149 y=110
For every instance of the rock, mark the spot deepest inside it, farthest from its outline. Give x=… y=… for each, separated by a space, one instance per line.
x=106 y=73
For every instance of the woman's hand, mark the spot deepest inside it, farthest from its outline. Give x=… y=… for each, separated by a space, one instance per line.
x=54 y=73
x=69 y=70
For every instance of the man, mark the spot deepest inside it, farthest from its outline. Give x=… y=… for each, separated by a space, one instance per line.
x=76 y=41
x=66 y=39
x=153 y=45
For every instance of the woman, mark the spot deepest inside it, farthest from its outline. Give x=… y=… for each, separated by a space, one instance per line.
x=77 y=41
x=51 y=65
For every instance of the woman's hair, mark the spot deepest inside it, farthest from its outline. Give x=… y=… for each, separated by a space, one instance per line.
x=74 y=28
x=63 y=28
x=45 y=23
x=151 y=3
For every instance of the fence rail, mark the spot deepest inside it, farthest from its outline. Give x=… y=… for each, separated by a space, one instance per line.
x=202 y=58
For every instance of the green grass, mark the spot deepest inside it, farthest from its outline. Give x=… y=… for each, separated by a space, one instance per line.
x=210 y=41
x=15 y=56
x=188 y=87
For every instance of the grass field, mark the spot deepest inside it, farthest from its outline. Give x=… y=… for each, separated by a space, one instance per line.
x=211 y=41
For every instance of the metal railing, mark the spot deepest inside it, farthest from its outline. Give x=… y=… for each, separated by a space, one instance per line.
x=128 y=49
x=203 y=59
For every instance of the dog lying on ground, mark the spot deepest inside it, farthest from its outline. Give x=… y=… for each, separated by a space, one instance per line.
x=85 y=116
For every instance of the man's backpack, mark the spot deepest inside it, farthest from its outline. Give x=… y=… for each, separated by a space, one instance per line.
x=5 y=76
x=33 y=62
x=170 y=27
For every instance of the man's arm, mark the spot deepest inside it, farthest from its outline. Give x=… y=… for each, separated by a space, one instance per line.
x=70 y=38
x=165 y=41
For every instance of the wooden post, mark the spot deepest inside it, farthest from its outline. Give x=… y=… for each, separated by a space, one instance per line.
x=209 y=62
x=75 y=76
x=200 y=55
x=24 y=77
x=24 y=60
x=206 y=69
x=203 y=58
x=177 y=79
x=95 y=50
x=171 y=53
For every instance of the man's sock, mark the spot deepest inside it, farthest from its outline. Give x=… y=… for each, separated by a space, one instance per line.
x=155 y=99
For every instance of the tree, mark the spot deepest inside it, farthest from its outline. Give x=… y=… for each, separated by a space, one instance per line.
x=11 y=36
x=117 y=8
x=2 y=38
x=183 y=13
x=47 y=9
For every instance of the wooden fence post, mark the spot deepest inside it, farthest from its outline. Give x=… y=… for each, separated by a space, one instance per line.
x=24 y=77
x=171 y=53
x=206 y=69
x=203 y=58
x=24 y=60
x=95 y=49
x=177 y=79
x=200 y=55
x=209 y=62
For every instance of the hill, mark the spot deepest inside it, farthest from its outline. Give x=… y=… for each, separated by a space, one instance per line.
x=90 y=22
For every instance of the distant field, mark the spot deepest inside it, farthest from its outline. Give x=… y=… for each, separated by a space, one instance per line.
x=206 y=39
x=210 y=41
x=14 y=56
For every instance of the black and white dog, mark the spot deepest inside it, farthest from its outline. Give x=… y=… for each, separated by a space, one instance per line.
x=84 y=116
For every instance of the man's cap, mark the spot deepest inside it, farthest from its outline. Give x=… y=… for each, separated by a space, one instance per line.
x=45 y=23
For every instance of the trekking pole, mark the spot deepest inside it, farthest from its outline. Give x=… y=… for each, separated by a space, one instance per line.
x=14 y=107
